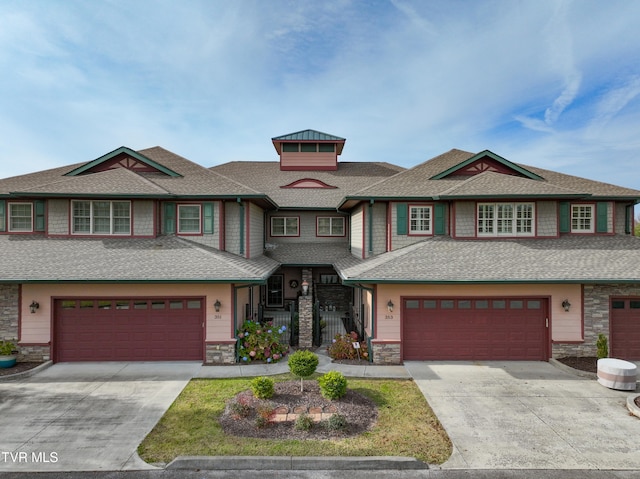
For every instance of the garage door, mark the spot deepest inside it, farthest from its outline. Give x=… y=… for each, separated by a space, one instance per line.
x=129 y=329
x=475 y=329
x=625 y=329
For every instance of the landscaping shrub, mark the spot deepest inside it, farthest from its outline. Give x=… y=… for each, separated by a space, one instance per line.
x=260 y=342
x=303 y=364
x=602 y=346
x=333 y=385
x=336 y=422
x=304 y=422
x=342 y=347
x=265 y=415
x=240 y=407
x=262 y=387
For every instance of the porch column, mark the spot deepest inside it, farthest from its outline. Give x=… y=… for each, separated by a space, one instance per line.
x=305 y=312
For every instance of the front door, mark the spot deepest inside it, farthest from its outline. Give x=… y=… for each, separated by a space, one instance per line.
x=275 y=291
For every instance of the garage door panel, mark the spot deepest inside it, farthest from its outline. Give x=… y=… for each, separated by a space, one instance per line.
x=510 y=328
x=126 y=333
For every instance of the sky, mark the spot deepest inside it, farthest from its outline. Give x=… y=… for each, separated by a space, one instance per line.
x=548 y=83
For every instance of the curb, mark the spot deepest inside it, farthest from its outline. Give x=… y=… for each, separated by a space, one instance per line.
x=631 y=405
x=287 y=463
x=28 y=373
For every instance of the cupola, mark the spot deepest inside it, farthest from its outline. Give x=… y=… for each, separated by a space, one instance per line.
x=308 y=150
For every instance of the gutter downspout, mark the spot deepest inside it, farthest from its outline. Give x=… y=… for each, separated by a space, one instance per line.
x=371 y=226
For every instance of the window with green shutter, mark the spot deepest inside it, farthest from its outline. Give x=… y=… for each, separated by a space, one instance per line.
x=169 y=218
x=40 y=207
x=602 y=213
x=207 y=216
x=402 y=223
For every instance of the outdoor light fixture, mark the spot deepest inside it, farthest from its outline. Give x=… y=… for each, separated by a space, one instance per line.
x=305 y=287
x=34 y=306
x=217 y=305
x=566 y=305
x=390 y=306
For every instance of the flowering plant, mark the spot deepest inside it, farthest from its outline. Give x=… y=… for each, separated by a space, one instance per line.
x=260 y=342
x=341 y=347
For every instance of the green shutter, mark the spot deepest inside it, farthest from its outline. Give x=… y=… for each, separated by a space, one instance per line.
x=401 y=218
x=169 y=218
x=207 y=209
x=601 y=217
x=628 y=219
x=39 y=207
x=565 y=223
x=440 y=226
x=3 y=215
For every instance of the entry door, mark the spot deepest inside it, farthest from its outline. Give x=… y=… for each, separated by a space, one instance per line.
x=275 y=291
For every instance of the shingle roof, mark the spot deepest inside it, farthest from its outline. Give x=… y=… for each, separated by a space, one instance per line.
x=445 y=260
x=27 y=258
x=416 y=182
x=266 y=176
x=296 y=254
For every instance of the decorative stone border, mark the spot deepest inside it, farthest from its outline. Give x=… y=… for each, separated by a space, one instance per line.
x=631 y=404
x=317 y=414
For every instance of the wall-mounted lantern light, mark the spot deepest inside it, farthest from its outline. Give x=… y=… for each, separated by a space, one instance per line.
x=34 y=306
x=217 y=305
x=305 y=287
x=566 y=305
x=390 y=306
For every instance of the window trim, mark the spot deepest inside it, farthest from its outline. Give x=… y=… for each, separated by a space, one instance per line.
x=178 y=225
x=91 y=232
x=10 y=216
x=494 y=220
x=285 y=234
x=410 y=230
x=331 y=234
x=592 y=228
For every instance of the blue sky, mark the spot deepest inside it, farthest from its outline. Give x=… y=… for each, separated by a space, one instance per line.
x=549 y=83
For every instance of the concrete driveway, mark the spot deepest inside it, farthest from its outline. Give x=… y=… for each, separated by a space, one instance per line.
x=528 y=415
x=86 y=416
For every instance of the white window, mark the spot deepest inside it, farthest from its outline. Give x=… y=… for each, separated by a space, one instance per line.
x=20 y=217
x=582 y=219
x=330 y=226
x=284 y=226
x=506 y=219
x=189 y=219
x=420 y=220
x=101 y=217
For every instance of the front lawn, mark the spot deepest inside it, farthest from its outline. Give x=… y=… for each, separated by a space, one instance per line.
x=406 y=426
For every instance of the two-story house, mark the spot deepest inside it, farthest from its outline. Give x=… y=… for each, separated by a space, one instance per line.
x=145 y=255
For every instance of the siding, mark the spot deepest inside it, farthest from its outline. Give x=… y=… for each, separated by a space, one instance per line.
x=379 y=228
x=357 y=228
x=256 y=231
x=58 y=217
x=232 y=227
x=307 y=228
x=308 y=160
x=547 y=218
x=143 y=218
x=465 y=219
x=620 y=210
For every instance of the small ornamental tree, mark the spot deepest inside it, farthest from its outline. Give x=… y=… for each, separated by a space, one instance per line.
x=303 y=364
x=602 y=346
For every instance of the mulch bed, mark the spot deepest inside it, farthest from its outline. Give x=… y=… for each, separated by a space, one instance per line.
x=360 y=412
x=588 y=364
x=20 y=367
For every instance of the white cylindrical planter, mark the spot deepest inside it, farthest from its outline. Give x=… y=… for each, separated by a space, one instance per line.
x=617 y=374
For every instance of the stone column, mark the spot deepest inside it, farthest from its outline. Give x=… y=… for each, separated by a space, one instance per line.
x=305 y=312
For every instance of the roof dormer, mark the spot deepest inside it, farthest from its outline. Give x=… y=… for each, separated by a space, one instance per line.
x=308 y=150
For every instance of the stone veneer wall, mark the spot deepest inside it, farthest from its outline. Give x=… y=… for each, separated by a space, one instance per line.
x=596 y=317
x=9 y=304
x=305 y=312
x=386 y=353
x=221 y=353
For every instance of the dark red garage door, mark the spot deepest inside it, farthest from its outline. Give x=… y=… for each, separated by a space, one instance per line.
x=475 y=329
x=129 y=329
x=625 y=329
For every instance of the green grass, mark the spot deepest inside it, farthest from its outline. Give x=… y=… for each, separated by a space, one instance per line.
x=406 y=426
